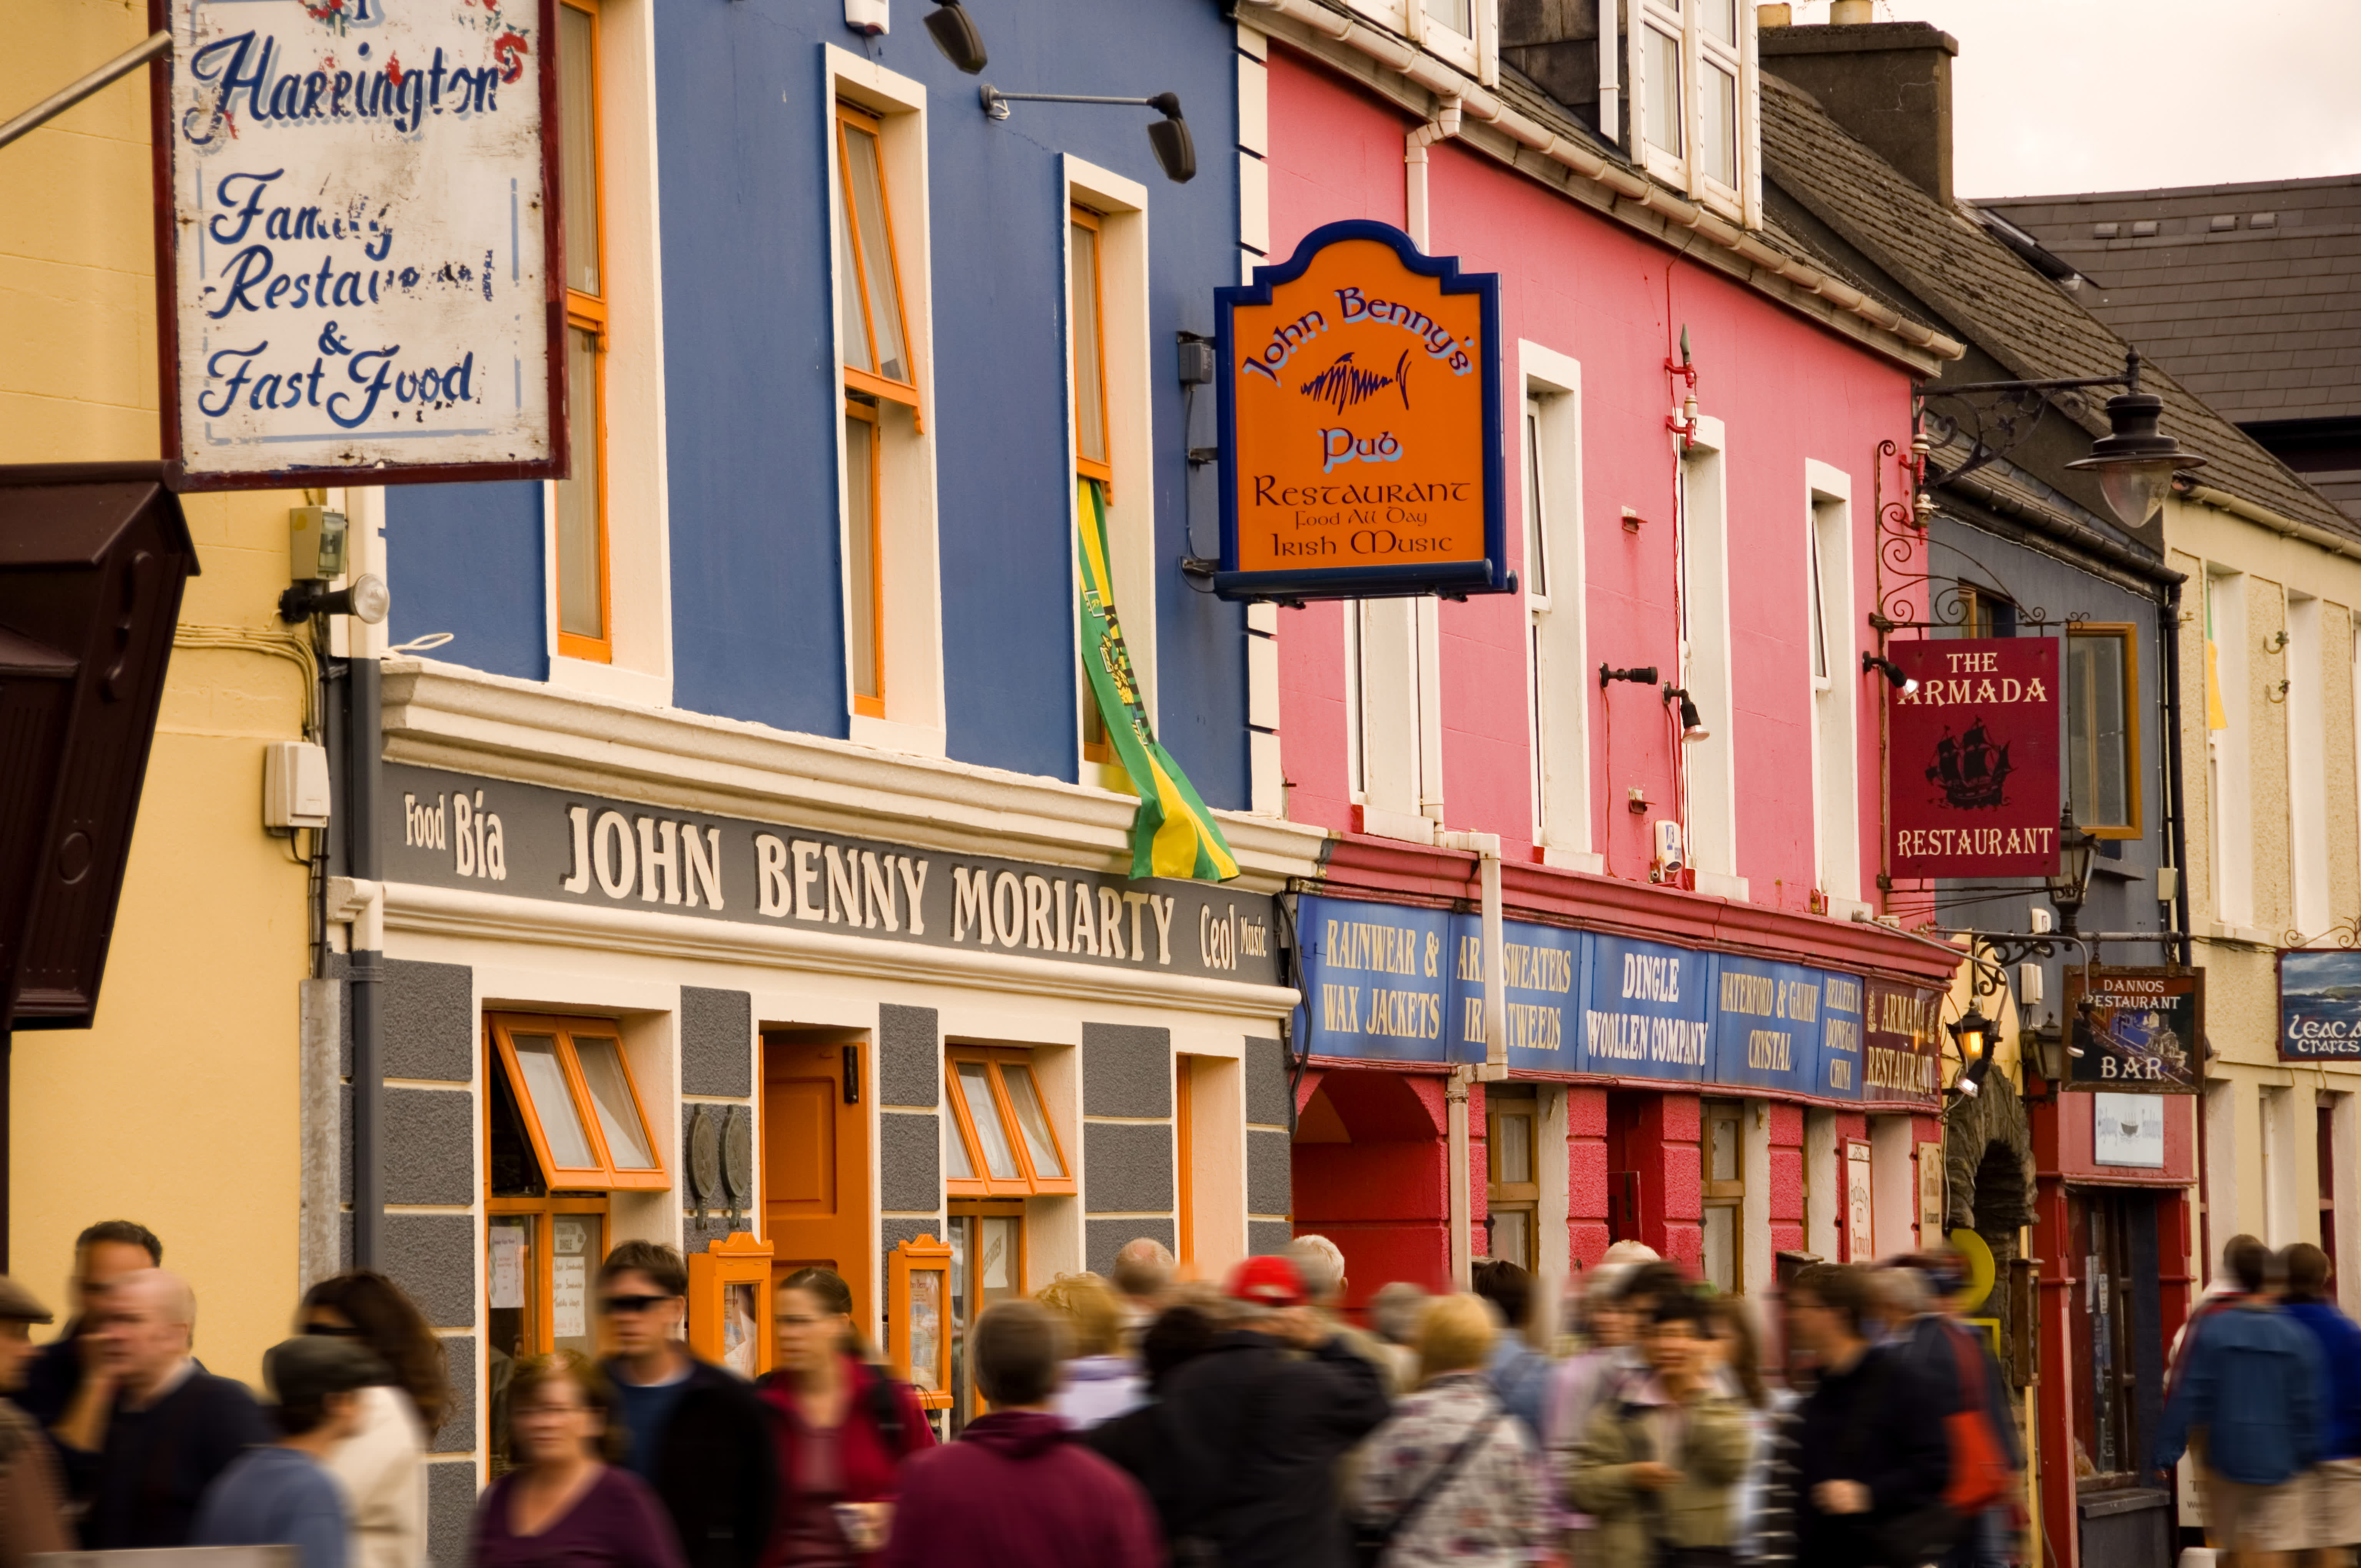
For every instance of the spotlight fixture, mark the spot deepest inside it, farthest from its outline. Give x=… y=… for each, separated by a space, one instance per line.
x=1169 y=137
x=1692 y=722
x=1905 y=684
x=365 y=599
x=1643 y=674
x=1973 y=1035
x=954 y=33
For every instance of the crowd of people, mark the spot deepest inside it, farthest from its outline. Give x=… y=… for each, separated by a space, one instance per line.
x=1636 y=1420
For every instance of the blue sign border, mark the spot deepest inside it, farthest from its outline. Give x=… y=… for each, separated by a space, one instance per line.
x=1454 y=579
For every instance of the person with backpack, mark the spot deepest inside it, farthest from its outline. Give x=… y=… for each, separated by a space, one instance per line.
x=842 y=1428
x=1451 y=1476
x=1956 y=1365
x=1659 y=1469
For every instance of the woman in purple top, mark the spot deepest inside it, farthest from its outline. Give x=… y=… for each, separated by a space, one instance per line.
x=563 y=1506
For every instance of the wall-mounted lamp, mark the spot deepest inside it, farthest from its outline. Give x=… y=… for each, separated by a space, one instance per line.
x=1692 y=722
x=1632 y=520
x=1644 y=674
x=1894 y=672
x=1684 y=423
x=365 y=599
x=2134 y=461
x=954 y=33
x=1168 y=135
x=1973 y=1035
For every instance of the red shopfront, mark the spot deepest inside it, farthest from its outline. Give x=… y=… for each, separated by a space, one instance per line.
x=1721 y=1082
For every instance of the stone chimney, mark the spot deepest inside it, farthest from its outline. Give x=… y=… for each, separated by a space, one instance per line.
x=1887 y=83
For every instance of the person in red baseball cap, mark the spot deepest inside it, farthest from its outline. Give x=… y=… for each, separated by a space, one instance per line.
x=1254 y=1428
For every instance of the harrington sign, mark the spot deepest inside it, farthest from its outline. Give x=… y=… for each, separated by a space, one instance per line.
x=1360 y=423
x=1972 y=762
x=358 y=246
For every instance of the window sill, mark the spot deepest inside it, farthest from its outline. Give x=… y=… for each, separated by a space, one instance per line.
x=2221 y=931
x=1722 y=885
x=610 y=681
x=1379 y=823
x=1844 y=908
x=885 y=735
x=1573 y=859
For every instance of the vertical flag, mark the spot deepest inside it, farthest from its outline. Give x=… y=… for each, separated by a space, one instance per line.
x=1173 y=835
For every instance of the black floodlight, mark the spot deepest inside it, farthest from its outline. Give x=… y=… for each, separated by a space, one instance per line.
x=954 y=34
x=1168 y=135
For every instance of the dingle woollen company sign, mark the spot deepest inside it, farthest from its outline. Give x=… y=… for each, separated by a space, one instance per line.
x=1360 y=423
x=1972 y=763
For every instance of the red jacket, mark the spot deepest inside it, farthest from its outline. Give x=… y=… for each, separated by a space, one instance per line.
x=1015 y=1492
x=871 y=1471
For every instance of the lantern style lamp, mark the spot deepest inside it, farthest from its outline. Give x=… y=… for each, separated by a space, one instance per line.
x=2134 y=461
x=2071 y=885
x=1973 y=1034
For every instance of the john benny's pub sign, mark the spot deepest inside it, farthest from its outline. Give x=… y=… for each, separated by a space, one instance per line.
x=1384 y=982
x=531 y=841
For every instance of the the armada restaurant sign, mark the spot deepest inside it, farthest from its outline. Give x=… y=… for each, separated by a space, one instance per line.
x=2320 y=1006
x=1360 y=390
x=358 y=244
x=1972 y=764
x=527 y=840
x=1388 y=982
x=2135 y=1031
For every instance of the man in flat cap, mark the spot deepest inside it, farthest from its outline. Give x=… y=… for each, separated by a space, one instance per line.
x=28 y=1485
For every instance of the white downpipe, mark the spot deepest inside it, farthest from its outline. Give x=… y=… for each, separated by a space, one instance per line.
x=1444 y=125
x=1456 y=1158
x=1486 y=847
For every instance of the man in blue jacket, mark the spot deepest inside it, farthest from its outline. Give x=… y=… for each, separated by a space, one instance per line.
x=2333 y=1506
x=2250 y=1396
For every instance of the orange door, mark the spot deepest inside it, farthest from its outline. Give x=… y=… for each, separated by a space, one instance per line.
x=816 y=1165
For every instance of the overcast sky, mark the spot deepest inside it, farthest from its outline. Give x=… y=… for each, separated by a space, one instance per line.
x=2053 y=96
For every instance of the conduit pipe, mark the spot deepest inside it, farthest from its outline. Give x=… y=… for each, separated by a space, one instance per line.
x=1478 y=102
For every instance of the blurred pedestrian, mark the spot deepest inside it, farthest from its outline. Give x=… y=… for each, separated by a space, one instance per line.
x=1135 y=1442
x=1605 y=1329
x=841 y=1429
x=282 y=1494
x=1099 y=1381
x=1393 y=1319
x=1142 y=1277
x=29 y=1517
x=380 y=1465
x=1016 y=1490
x=1981 y=1391
x=1871 y=1467
x=1662 y=1462
x=697 y=1434
x=2253 y=1383
x=1255 y=1427
x=171 y=1428
x=1520 y=1374
x=67 y=1390
x=1451 y=1476
x=2332 y=1500
x=1734 y=1353
x=1320 y=1263
x=566 y=1504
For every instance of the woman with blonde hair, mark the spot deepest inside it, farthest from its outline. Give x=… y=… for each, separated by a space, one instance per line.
x=1451 y=1476
x=1098 y=1382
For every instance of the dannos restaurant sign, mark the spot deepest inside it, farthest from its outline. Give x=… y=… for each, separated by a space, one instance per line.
x=456 y=830
x=1385 y=982
x=1972 y=767
x=1360 y=390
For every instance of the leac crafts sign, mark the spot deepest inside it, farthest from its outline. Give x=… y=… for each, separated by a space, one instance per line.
x=359 y=241
x=1973 y=768
x=2320 y=1006
x=1360 y=423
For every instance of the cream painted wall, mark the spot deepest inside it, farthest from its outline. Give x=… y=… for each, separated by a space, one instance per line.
x=178 y=1108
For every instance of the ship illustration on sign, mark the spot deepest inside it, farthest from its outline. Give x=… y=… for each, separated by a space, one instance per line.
x=1971 y=769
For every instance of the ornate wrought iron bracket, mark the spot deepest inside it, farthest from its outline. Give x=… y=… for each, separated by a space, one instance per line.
x=1991 y=953
x=1997 y=417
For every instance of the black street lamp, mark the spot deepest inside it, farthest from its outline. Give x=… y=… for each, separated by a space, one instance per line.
x=1973 y=1034
x=2071 y=885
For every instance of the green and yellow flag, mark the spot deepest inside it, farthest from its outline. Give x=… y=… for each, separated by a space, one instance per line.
x=1173 y=835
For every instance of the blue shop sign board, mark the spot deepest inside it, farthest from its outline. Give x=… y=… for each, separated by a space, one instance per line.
x=1388 y=983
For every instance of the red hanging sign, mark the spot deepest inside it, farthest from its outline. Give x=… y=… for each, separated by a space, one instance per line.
x=1972 y=760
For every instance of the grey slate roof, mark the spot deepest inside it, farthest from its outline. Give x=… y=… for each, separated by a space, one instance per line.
x=2251 y=294
x=1985 y=293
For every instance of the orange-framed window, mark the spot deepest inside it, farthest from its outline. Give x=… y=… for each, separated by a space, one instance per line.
x=864 y=584
x=987 y=1239
x=585 y=605
x=1086 y=327
x=1005 y=1146
x=541 y=1265
x=877 y=357
x=569 y=1084
x=1512 y=1179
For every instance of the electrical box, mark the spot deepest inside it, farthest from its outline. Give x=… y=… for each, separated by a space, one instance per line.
x=2167 y=883
x=866 y=16
x=2028 y=984
x=315 y=542
x=1672 y=855
x=294 y=785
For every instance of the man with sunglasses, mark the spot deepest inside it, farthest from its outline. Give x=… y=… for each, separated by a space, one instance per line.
x=694 y=1431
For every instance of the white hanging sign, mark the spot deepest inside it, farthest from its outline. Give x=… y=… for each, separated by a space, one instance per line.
x=358 y=241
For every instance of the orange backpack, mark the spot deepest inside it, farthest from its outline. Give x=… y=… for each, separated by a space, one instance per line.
x=1980 y=1472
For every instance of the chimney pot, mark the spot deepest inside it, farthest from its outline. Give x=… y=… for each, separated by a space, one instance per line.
x=1850 y=13
x=1781 y=15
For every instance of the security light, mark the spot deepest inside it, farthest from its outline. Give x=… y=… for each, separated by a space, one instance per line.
x=1692 y=722
x=365 y=599
x=1168 y=135
x=1901 y=682
x=955 y=34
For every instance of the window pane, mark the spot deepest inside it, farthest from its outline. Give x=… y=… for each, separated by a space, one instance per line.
x=610 y=1097
x=1723 y=1132
x=876 y=254
x=1718 y=132
x=1664 y=91
x=955 y=1156
x=1456 y=14
x=510 y=1269
x=860 y=552
x=1512 y=1237
x=577 y=37
x=975 y=1087
x=1720 y=19
x=2097 y=742
x=1514 y=1159
x=1819 y=609
x=851 y=323
x=573 y=1252
x=1721 y=1248
x=1025 y=1099
x=581 y=607
x=1090 y=353
x=1536 y=525
x=552 y=1102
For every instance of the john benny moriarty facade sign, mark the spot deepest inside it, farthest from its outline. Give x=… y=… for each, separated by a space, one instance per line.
x=1360 y=423
x=1972 y=761
x=357 y=240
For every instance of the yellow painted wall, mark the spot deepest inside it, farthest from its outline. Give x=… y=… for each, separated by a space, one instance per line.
x=179 y=1109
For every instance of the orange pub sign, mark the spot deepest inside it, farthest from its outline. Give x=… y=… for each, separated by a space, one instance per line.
x=1360 y=424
